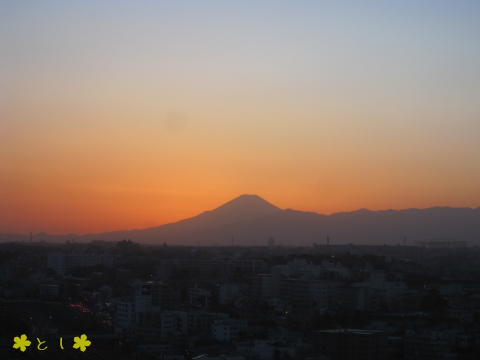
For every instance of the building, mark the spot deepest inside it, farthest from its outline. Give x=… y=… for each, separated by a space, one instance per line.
x=199 y=297
x=221 y=330
x=227 y=329
x=228 y=293
x=154 y=325
x=352 y=344
x=62 y=262
x=429 y=345
x=263 y=287
x=125 y=316
x=296 y=292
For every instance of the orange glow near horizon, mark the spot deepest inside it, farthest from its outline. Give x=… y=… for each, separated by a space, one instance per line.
x=119 y=168
x=128 y=116
x=87 y=181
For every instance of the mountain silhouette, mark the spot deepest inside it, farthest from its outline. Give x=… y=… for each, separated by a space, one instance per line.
x=205 y=228
x=243 y=208
x=250 y=220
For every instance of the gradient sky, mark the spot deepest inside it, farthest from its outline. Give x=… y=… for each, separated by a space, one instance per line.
x=125 y=114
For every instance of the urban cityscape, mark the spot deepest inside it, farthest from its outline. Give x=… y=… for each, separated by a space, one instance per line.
x=325 y=301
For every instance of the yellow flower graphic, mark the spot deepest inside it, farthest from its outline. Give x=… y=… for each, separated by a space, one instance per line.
x=21 y=342
x=81 y=342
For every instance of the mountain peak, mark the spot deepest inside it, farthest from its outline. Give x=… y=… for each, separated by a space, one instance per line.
x=242 y=208
x=250 y=201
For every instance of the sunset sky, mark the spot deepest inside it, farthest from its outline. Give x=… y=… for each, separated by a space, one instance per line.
x=127 y=114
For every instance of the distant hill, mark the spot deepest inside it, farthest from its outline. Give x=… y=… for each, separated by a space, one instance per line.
x=250 y=220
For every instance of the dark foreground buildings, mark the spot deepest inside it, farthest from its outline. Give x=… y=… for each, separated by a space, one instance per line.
x=162 y=302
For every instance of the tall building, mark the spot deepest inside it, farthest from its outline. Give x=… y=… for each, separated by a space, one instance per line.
x=352 y=344
x=61 y=262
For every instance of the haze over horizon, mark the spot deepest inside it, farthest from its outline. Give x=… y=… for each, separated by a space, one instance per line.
x=247 y=207
x=130 y=114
